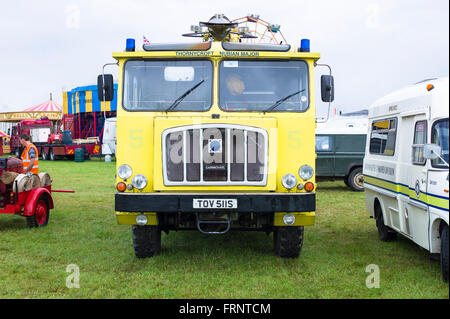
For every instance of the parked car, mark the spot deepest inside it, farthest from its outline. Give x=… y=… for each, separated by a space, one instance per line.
x=340 y=145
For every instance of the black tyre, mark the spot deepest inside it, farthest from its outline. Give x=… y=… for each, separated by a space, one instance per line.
x=384 y=232
x=41 y=213
x=51 y=155
x=146 y=240
x=346 y=181
x=355 y=180
x=44 y=155
x=288 y=241
x=444 y=253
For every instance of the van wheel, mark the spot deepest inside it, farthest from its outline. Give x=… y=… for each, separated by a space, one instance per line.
x=444 y=253
x=384 y=232
x=355 y=180
x=288 y=241
x=146 y=240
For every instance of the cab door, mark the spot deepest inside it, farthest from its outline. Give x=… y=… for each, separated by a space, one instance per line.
x=416 y=211
x=438 y=183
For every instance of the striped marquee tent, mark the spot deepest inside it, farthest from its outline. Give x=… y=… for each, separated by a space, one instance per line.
x=49 y=106
x=49 y=109
x=2 y=134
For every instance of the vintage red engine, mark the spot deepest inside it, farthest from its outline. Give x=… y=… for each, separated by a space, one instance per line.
x=8 y=164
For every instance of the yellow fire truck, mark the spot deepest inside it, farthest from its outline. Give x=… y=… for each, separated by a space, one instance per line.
x=216 y=135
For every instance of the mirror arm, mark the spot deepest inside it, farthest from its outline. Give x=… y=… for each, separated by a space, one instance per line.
x=104 y=90
x=329 y=103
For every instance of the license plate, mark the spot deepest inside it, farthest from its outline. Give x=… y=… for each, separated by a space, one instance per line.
x=214 y=203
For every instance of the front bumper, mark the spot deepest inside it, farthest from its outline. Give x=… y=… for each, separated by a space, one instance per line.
x=247 y=203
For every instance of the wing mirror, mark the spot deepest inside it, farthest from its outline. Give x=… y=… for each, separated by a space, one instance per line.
x=327 y=88
x=105 y=87
x=432 y=151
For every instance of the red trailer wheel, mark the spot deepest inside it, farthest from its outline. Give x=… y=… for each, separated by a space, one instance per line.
x=41 y=213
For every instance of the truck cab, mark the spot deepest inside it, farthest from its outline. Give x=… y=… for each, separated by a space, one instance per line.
x=39 y=131
x=214 y=136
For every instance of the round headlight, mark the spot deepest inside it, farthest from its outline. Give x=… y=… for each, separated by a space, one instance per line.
x=289 y=181
x=141 y=219
x=306 y=172
x=289 y=219
x=139 y=181
x=124 y=171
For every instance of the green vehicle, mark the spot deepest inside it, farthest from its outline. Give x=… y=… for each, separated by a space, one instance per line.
x=340 y=147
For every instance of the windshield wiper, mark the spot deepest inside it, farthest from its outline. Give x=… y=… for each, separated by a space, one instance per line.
x=272 y=107
x=181 y=98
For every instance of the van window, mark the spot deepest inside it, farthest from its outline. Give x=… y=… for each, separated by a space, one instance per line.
x=382 y=137
x=439 y=136
x=323 y=143
x=420 y=139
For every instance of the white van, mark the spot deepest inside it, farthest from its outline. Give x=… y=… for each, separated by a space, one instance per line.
x=109 y=143
x=406 y=173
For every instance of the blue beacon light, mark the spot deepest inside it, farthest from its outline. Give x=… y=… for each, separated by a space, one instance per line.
x=305 y=45
x=131 y=44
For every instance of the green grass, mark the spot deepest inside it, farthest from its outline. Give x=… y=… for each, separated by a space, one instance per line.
x=82 y=230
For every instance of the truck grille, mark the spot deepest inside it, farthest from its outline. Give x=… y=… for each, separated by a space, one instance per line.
x=215 y=154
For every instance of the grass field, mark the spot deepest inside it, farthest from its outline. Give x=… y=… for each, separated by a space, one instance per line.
x=82 y=230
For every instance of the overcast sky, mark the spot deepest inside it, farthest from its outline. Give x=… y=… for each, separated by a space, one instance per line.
x=373 y=46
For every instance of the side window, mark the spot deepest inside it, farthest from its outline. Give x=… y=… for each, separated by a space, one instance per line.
x=439 y=136
x=323 y=143
x=382 y=137
x=420 y=139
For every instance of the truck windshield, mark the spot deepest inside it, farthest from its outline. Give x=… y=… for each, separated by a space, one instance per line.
x=155 y=85
x=258 y=85
x=439 y=136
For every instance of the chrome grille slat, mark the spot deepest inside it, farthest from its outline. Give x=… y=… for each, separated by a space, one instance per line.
x=233 y=139
x=245 y=155
x=201 y=153
x=184 y=157
x=229 y=142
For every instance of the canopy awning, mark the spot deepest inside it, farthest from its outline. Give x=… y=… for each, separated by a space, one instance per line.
x=49 y=106
x=2 y=134
x=49 y=109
